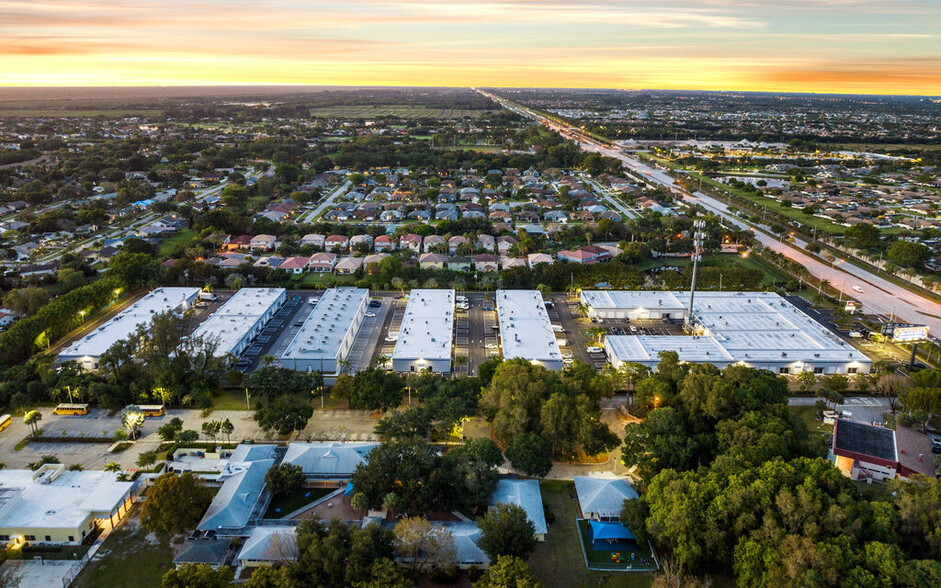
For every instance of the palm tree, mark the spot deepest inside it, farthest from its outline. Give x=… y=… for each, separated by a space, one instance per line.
x=31 y=419
x=359 y=501
x=596 y=333
x=113 y=467
x=382 y=360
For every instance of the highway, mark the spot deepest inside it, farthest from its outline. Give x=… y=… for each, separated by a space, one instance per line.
x=877 y=295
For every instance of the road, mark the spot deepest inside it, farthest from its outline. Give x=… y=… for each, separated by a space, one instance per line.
x=328 y=202
x=877 y=295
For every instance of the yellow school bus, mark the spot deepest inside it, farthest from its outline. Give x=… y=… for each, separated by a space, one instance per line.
x=5 y=421
x=71 y=409
x=151 y=410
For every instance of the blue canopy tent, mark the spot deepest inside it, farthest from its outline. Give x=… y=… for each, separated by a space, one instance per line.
x=610 y=536
x=349 y=489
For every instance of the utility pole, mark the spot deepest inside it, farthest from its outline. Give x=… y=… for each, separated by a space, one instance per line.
x=698 y=237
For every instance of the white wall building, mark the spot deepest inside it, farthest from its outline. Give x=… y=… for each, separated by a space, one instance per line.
x=427 y=331
x=89 y=348
x=328 y=333
x=757 y=329
x=525 y=329
x=242 y=318
x=633 y=304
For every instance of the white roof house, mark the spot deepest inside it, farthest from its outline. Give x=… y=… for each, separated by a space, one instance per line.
x=525 y=329
x=602 y=497
x=89 y=348
x=243 y=483
x=242 y=318
x=56 y=505
x=757 y=329
x=268 y=546
x=426 y=334
x=525 y=494
x=325 y=338
x=328 y=460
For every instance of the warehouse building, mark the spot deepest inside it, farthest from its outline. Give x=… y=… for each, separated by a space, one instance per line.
x=87 y=350
x=756 y=329
x=242 y=318
x=56 y=506
x=425 y=337
x=525 y=329
x=326 y=337
x=633 y=304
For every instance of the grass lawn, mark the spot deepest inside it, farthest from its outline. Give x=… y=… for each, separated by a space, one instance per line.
x=602 y=558
x=559 y=560
x=288 y=503
x=128 y=559
x=168 y=245
x=809 y=416
x=229 y=399
x=771 y=275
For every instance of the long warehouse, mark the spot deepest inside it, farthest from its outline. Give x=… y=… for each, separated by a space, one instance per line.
x=326 y=337
x=427 y=332
x=757 y=329
x=525 y=329
x=236 y=324
x=89 y=348
x=633 y=304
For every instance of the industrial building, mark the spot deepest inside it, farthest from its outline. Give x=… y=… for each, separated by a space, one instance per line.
x=756 y=329
x=326 y=337
x=525 y=329
x=871 y=453
x=236 y=324
x=87 y=350
x=426 y=335
x=57 y=506
x=633 y=304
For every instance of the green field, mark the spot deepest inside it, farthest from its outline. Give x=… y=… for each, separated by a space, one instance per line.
x=718 y=260
x=396 y=110
x=559 y=560
x=168 y=245
x=77 y=113
x=128 y=559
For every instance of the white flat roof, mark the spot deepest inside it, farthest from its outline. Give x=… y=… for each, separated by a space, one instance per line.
x=126 y=322
x=238 y=316
x=752 y=327
x=64 y=503
x=633 y=299
x=525 y=328
x=427 y=326
x=328 y=325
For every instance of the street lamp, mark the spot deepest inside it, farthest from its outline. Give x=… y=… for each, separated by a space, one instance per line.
x=82 y=314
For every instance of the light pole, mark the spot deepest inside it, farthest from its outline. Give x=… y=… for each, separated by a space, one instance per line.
x=698 y=236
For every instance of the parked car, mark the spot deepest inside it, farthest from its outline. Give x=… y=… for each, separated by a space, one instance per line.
x=371 y=315
x=595 y=349
x=375 y=303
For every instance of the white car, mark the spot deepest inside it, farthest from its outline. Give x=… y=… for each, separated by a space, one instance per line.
x=371 y=314
x=392 y=338
x=595 y=349
x=492 y=346
x=858 y=289
x=568 y=356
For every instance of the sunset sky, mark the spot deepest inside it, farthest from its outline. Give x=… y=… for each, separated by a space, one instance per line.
x=866 y=46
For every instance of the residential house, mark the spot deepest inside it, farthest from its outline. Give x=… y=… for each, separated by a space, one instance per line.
x=455 y=243
x=313 y=239
x=411 y=241
x=348 y=265
x=511 y=262
x=336 y=243
x=486 y=242
x=384 y=243
x=371 y=262
x=264 y=242
x=459 y=263
x=535 y=258
x=295 y=265
x=486 y=262
x=431 y=261
x=322 y=262
x=433 y=241
x=504 y=243
x=359 y=241
x=241 y=242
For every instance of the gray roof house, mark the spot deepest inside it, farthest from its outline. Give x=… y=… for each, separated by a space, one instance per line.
x=601 y=498
x=329 y=461
x=525 y=494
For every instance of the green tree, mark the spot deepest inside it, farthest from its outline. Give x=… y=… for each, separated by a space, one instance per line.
x=422 y=545
x=284 y=414
x=31 y=419
x=508 y=572
x=908 y=254
x=384 y=573
x=169 y=430
x=507 y=530
x=198 y=576
x=531 y=454
x=285 y=478
x=658 y=442
x=134 y=269
x=865 y=235
x=26 y=301
x=274 y=577
x=175 y=503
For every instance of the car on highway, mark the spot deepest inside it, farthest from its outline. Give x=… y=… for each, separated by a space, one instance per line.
x=858 y=289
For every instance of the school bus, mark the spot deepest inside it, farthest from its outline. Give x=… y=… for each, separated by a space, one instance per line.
x=151 y=410
x=71 y=409
x=5 y=421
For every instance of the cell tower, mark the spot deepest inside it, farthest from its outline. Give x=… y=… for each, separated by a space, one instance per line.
x=698 y=236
